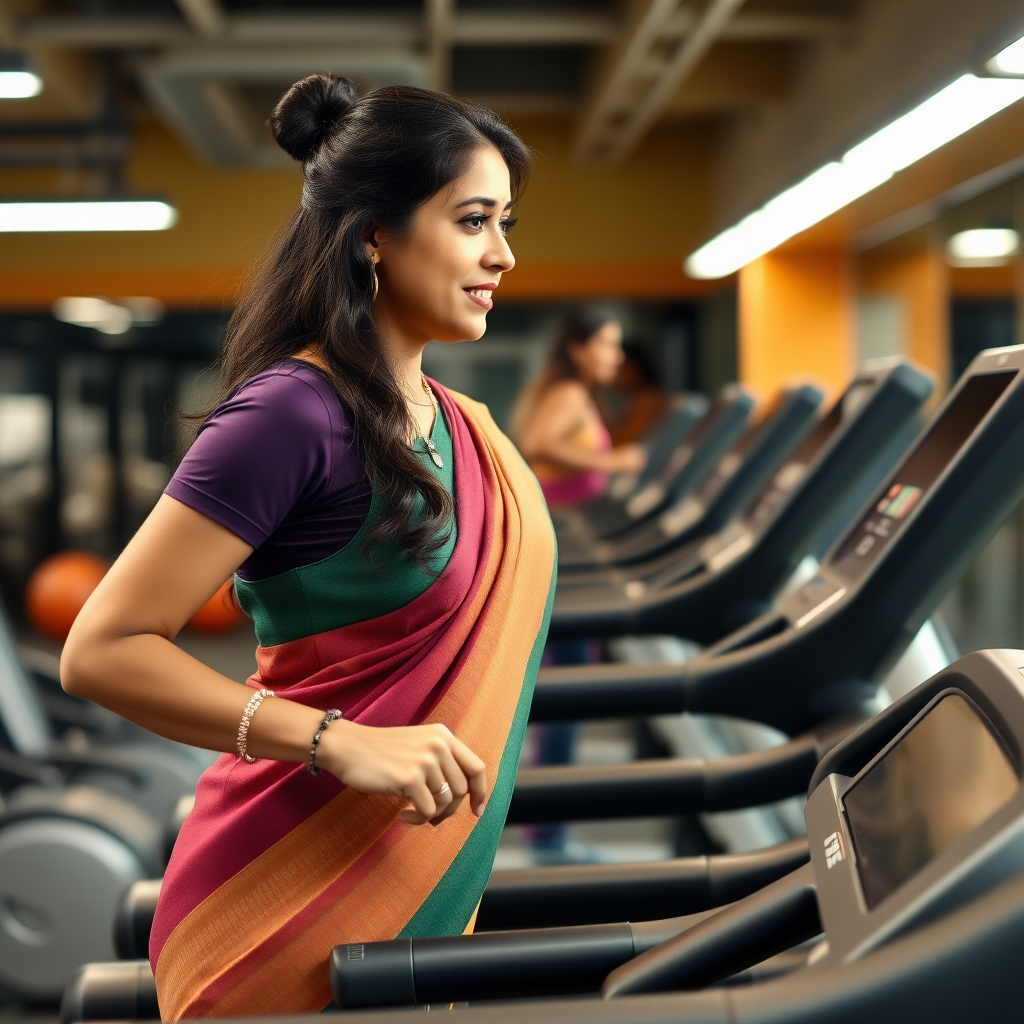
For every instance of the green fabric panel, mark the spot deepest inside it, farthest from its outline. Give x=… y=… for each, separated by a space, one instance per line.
x=447 y=910
x=344 y=587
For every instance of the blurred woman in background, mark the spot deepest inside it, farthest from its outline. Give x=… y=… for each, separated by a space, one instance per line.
x=561 y=433
x=557 y=423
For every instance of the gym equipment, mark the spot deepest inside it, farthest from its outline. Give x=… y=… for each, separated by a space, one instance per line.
x=737 y=475
x=826 y=645
x=689 y=465
x=58 y=588
x=77 y=827
x=705 y=589
x=822 y=650
x=685 y=410
x=916 y=881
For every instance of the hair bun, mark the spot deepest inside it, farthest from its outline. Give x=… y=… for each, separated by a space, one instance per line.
x=306 y=114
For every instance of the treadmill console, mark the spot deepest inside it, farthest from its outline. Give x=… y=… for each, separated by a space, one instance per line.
x=925 y=464
x=934 y=818
x=781 y=485
x=942 y=778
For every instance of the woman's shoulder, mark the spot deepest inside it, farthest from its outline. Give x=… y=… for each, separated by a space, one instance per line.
x=563 y=392
x=292 y=393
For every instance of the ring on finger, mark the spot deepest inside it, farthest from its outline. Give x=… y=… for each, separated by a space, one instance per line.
x=445 y=788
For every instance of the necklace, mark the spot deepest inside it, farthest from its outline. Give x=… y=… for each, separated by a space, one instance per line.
x=435 y=455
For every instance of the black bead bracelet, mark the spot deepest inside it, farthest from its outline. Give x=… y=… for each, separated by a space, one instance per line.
x=329 y=717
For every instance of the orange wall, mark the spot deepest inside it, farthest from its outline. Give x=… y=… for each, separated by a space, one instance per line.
x=919 y=276
x=620 y=231
x=796 y=321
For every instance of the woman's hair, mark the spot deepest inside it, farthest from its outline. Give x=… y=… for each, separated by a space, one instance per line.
x=368 y=162
x=578 y=326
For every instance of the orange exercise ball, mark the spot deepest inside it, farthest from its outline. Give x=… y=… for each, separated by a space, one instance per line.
x=219 y=614
x=58 y=588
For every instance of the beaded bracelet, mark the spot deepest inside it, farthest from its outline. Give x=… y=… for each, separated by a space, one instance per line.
x=243 y=727
x=329 y=717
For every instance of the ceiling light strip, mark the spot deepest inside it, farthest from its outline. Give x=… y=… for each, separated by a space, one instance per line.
x=949 y=113
x=87 y=215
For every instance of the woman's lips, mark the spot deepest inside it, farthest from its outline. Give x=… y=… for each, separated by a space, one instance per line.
x=481 y=296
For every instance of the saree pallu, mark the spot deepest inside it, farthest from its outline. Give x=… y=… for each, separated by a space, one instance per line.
x=274 y=866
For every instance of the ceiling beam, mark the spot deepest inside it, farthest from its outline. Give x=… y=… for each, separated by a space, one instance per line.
x=205 y=17
x=439 y=15
x=655 y=61
x=397 y=28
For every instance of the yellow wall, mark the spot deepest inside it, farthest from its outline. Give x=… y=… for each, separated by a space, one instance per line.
x=796 y=320
x=622 y=231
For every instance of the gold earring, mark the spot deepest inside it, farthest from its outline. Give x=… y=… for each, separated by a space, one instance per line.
x=373 y=274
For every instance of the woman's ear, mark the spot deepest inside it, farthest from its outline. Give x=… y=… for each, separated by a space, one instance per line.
x=370 y=232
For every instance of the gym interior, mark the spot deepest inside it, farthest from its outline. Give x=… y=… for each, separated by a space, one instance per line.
x=773 y=764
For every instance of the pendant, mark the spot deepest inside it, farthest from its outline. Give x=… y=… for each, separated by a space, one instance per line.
x=435 y=457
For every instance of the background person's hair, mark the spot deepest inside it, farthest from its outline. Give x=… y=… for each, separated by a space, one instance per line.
x=578 y=326
x=368 y=162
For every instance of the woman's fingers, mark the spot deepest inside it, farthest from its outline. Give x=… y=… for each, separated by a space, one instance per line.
x=422 y=800
x=475 y=772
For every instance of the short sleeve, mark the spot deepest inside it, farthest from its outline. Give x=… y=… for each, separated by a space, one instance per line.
x=264 y=451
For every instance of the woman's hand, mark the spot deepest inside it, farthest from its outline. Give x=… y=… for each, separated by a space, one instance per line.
x=626 y=458
x=408 y=761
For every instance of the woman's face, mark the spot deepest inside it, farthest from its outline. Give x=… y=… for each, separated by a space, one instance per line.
x=436 y=278
x=598 y=359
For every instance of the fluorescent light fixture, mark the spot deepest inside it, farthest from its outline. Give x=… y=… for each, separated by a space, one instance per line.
x=1009 y=61
x=982 y=247
x=106 y=316
x=19 y=85
x=87 y=215
x=950 y=112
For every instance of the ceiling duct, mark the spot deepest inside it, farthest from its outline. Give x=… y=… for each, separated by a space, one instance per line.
x=220 y=99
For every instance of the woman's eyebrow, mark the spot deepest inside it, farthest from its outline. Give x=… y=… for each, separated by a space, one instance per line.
x=482 y=201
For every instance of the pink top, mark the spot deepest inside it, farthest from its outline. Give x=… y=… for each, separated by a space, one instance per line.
x=580 y=487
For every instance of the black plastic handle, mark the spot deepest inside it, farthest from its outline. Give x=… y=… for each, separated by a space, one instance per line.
x=664 y=787
x=576 y=692
x=597 y=893
x=778 y=917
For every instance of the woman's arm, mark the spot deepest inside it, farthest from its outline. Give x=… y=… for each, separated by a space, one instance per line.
x=120 y=654
x=562 y=410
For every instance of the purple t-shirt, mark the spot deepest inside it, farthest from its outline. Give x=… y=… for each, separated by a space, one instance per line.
x=277 y=465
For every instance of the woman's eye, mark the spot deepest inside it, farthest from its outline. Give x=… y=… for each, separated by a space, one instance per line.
x=476 y=221
x=508 y=224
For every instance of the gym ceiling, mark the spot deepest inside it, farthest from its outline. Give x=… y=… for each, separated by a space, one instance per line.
x=745 y=97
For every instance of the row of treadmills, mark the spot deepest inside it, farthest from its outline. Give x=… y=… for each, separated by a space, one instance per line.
x=767 y=589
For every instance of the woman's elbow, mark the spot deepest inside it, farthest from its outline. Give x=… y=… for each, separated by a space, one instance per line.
x=78 y=661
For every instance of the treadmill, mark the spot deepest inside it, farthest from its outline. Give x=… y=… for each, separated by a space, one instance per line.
x=820 y=651
x=685 y=410
x=738 y=474
x=688 y=466
x=911 y=908
x=705 y=589
x=916 y=881
x=838 y=464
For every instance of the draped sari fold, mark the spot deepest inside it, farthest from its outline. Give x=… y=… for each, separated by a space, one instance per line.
x=274 y=866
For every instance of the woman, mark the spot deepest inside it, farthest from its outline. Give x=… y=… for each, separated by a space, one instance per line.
x=557 y=424
x=560 y=431
x=391 y=547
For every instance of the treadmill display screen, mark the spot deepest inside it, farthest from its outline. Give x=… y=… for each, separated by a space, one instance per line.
x=925 y=465
x=945 y=777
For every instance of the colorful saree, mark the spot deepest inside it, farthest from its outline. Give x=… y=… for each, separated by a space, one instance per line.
x=274 y=866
